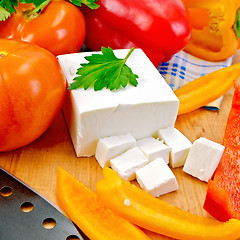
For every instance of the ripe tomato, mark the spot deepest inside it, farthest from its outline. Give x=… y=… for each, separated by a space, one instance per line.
x=32 y=90
x=60 y=28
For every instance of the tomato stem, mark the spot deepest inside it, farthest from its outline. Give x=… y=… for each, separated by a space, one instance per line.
x=34 y=13
x=40 y=8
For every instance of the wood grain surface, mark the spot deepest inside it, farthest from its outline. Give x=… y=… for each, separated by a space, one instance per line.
x=37 y=163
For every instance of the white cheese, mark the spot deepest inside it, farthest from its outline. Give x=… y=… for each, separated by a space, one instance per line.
x=203 y=158
x=110 y=147
x=128 y=162
x=139 y=111
x=156 y=178
x=178 y=143
x=154 y=148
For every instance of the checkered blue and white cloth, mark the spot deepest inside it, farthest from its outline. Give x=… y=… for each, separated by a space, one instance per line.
x=183 y=68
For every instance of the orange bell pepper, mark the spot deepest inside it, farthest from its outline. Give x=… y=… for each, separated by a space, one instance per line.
x=206 y=89
x=223 y=193
x=87 y=211
x=215 y=28
x=146 y=211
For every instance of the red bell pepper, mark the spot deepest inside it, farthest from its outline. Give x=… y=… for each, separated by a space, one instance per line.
x=223 y=193
x=160 y=28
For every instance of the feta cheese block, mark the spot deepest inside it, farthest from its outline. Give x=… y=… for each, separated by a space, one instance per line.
x=203 y=158
x=178 y=143
x=128 y=162
x=139 y=111
x=110 y=147
x=154 y=148
x=157 y=178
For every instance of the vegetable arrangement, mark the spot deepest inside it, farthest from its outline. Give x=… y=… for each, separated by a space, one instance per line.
x=223 y=193
x=32 y=90
x=160 y=28
x=57 y=26
x=215 y=28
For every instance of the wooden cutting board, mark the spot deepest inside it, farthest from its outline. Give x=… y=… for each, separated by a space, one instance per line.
x=37 y=163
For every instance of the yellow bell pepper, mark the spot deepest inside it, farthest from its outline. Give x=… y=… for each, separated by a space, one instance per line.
x=148 y=212
x=215 y=28
x=206 y=89
x=87 y=211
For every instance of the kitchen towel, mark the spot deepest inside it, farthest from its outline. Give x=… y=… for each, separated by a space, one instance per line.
x=183 y=68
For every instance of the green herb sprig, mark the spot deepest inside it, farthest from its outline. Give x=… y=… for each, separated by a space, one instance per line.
x=7 y=7
x=104 y=71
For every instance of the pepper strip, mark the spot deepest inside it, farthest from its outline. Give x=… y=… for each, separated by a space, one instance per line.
x=206 y=89
x=214 y=28
x=223 y=193
x=146 y=211
x=88 y=212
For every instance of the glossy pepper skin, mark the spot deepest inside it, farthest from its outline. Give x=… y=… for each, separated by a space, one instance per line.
x=87 y=211
x=223 y=193
x=158 y=216
x=206 y=89
x=213 y=37
x=160 y=28
x=60 y=28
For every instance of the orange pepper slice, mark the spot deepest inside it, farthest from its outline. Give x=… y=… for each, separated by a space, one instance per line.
x=158 y=216
x=87 y=211
x=206 y=89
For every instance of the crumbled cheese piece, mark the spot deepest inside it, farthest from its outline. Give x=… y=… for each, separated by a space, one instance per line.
x=110 y=147
x=203 y=158
x=178 y=143
x=154 y=148
x=156 y=178
x=128 y=162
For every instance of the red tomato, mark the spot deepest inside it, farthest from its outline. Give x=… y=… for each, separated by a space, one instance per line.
x=60 y=28
x=32 y=90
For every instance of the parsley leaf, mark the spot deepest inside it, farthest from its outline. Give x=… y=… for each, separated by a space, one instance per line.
x=4 y=14
x=90 y=3
x=104 y=70
x=7 y=7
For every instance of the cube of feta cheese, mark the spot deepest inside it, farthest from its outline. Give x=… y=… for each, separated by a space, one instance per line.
x=110 y=147
x=178 y=143
x=154 y=148
x=203 y=158
x=140 y=111
x=128 y=162
x=156 y=178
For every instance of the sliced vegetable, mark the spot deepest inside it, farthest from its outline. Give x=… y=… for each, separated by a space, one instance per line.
x=206 y=89
x=160 y=28
x=215 y=28
x=104 y=70
x=158 y=216
x=223 y=193
x=32 y=90
x=59 y=28
x=88 y=212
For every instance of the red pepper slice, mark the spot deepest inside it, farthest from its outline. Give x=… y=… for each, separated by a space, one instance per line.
x=223 y=193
